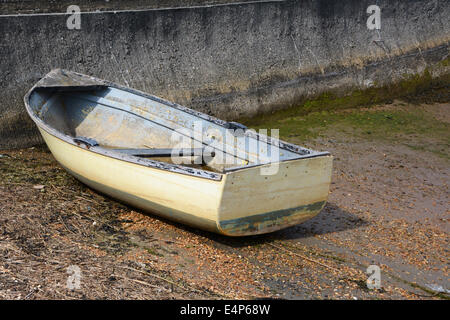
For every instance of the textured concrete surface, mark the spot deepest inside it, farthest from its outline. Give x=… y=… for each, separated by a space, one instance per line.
x=52 y=6
x=228 y=60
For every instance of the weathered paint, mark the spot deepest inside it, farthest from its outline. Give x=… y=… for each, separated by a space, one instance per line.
x=292 y=195
x=228 y=202
x=275 y=220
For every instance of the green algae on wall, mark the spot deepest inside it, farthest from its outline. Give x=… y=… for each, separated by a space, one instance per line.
x=422 y=88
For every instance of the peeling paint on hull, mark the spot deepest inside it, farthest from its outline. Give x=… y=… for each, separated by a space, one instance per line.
x=275 y=220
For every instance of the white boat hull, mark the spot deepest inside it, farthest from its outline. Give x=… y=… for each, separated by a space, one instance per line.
x=87 y=124
x=242 y=203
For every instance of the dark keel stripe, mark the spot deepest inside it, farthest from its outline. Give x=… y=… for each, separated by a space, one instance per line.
x=270 y=219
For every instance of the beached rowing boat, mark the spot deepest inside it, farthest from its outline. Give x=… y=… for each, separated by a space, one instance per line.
x=176 y=162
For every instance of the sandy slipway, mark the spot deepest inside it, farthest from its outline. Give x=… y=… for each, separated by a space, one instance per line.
x=388 y=206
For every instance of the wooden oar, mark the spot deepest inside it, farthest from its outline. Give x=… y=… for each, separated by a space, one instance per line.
x=162 y=153
x=151 y=153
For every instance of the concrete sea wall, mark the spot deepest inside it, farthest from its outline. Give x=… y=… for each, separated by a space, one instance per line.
x=226 y=58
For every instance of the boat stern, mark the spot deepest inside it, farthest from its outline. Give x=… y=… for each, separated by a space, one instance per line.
x=254 y=203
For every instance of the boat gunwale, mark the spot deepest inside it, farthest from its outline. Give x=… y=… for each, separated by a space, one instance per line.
x=175 y=168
